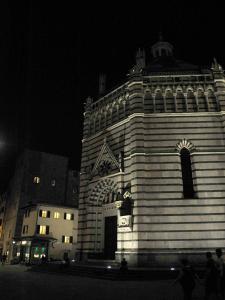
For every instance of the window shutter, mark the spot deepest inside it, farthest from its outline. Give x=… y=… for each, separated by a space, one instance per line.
x=71 y=239
x=63 y=238
x=38 y=229
x=47 y=229
x=48 y=214
x=72 y=216
x=23 y=228
x=40 y=213
x=64 y=216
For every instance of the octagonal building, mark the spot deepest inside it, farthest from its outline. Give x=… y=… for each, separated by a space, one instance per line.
x=152 y=183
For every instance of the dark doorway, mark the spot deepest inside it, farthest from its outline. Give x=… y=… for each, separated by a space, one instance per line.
x=110 y=237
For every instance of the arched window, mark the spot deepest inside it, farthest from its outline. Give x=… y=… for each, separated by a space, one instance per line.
x=202 y=101
x=170 y=105
x=188 y=189
x=180 y=102
x=159 y=104
x=191 y=101
x=148 y=103
x=212 y=101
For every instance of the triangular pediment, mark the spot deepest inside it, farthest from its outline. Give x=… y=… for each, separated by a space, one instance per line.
x=105 y=162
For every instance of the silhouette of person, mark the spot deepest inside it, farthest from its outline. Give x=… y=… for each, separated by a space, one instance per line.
x=186 y=278
x=211 y=277
x=220 y=265
x=66 y=259
x=4 y=256
x=44 y=259
x=123 y=265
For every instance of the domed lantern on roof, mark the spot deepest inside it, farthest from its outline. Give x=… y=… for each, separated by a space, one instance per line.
x=162 y=48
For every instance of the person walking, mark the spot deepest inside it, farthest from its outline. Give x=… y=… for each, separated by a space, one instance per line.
x=220 y=265
x=4 y=256
x=211 y=277
x=123 y=265
x=186 y=278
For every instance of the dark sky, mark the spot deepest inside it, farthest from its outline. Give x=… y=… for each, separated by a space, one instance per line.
x=52 y=53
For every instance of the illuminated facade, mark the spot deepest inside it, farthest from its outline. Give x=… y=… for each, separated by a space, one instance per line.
x=39 y=178
x=152 y=185
x=49 y=230
x=2 y=210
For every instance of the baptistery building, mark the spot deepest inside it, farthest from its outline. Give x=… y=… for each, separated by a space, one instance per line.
x=152 y=182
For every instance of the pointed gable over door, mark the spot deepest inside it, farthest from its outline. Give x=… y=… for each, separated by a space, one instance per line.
x=106 y=162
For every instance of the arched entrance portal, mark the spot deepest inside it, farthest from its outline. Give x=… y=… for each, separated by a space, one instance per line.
x=103 y=214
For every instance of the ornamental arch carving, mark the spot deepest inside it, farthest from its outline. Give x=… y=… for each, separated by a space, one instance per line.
x=104 y=192
x=185 y=144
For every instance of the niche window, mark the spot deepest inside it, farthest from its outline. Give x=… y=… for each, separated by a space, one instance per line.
x=188 y=189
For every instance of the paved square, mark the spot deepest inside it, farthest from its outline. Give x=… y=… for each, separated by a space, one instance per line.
x=18 y=283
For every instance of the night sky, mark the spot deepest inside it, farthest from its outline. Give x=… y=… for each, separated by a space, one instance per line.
x=51 y=55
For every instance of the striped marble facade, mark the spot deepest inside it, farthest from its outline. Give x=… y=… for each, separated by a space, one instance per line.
x=132 y=141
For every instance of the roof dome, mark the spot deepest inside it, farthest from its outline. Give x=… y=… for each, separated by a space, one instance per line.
x=162 y=48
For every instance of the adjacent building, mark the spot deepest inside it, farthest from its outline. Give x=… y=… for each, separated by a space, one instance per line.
x=47 y=230
x=152 y=185
x=2 y=214
x=38 y=178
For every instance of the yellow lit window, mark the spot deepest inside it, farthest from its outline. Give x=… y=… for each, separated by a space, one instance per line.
x=42 y=229
x=68 y=216
x=44 y=213
x=56 y=215
x=67 y=239
x=36 y=180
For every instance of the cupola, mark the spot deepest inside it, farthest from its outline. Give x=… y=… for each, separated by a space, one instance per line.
x=162 y=48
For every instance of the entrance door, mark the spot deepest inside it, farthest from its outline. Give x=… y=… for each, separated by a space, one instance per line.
x=110 y=237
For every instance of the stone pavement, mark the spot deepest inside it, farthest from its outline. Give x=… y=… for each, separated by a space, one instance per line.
x=16 y=283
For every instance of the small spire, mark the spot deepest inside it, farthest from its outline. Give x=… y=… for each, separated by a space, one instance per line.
x=102 y=84
x=88 y=103
x=140 y=58
x=216 y=66
x=160 y=36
